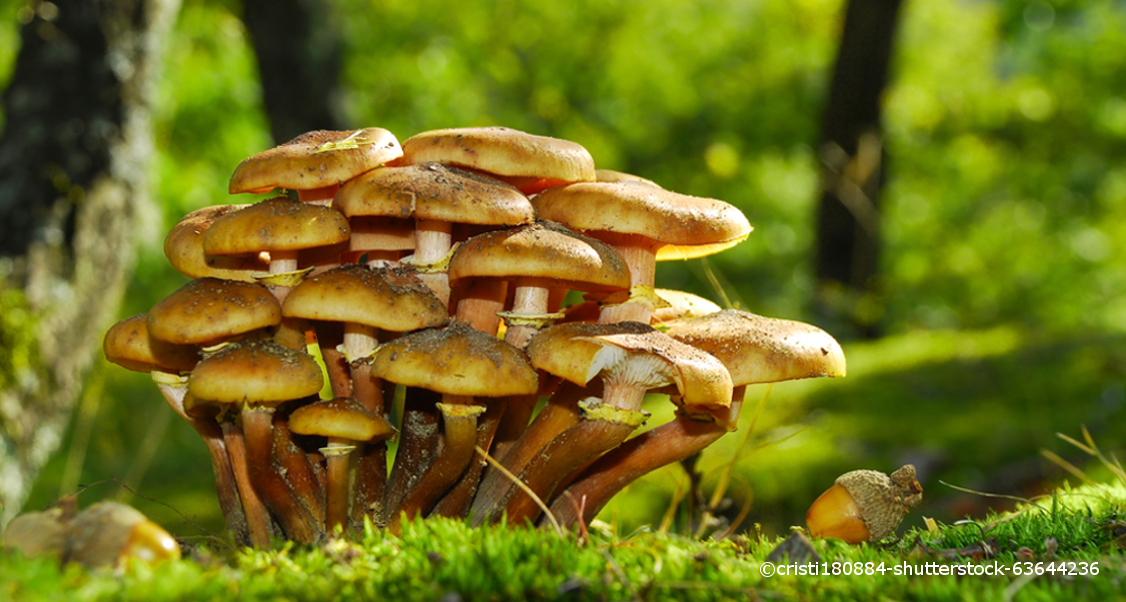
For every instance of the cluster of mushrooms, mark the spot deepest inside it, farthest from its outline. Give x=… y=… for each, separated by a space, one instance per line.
x=483 y=296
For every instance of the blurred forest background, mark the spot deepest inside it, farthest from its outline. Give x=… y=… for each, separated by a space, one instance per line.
x=997 y=315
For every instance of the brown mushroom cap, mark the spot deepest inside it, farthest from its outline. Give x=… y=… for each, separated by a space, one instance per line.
x=681 y=305
x=390 y=299
x=208 y=310
x=315 y=160
x=342 y=417
x=129 y=345
x=687 y=226
x=545 y=253
x=609 y=175
x=434 y=191
x=456 y=360
x=762 y=350
x=502 y=151
x=255 y=371
x=277 y=224
x=580 y=351
x=184 y=248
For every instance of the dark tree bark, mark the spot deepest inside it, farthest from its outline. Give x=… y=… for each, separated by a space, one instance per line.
x=298 y=46
x=74 y=158
x=852 y=169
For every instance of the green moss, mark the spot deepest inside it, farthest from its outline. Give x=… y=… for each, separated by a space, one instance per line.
x=441 y=559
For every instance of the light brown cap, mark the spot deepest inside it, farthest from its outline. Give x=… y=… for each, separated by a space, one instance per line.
x=434 y=191
x=544 y=252
x=762 y=350
x=456 y=360
x=342 y=417
x=129 y=345
x=277 y=224
x=255 y=371
x=580 y=351
x=208 y=310
x=316 y=160
x=681 y=305
x=504 y=152
x=184 y=248
x=687 y=226
x=386 y=298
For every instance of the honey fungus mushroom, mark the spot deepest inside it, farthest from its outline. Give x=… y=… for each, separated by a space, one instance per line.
x=754 y=349
x=316 y=163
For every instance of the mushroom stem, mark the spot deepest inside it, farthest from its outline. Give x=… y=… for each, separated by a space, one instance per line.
x=459 y=419
x=318 y=196
x=587 y=439
x=612 y=472
x=296 y=466
x=526 y=300
x=455 y=504
x=433 y=239
x=267 y=480
x=258 y=521
x=560 y=414
x=418 y=438
x=640 y=254
x=359 y=340
x=338 y=454
x=282 y=262
x=370 y=484
x=478 y=303
x=225 y=487
x=339 y=372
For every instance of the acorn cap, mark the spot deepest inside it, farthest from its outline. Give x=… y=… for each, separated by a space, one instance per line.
x=277 y=224
x=762 y=350
x=580 y=351
x=456 y=360
x=315 y=160
x=257 y=372
x=129 y=345
x=545 y=253
x=342 y=417
x=208 y=310
x=502 y=151
x=385 y=298
x=434 y=191
x=184 y=249
x=687 y=226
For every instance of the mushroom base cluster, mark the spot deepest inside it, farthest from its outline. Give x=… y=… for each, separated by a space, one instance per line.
x=495 y=282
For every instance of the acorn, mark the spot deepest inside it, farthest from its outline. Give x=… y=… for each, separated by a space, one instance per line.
x=111 y=533
x=864 y=505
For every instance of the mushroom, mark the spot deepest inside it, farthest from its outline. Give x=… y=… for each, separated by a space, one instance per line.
x=436 y=196
x=316 y=163
x=630 y=359
x=531 y=163
x=128 y=344
x=260 y=375
x=281 y=227
x=184 y=249
x=345 y=422
x=207 y=311
x=754 y=349
x=645 y=224
x=464 y=365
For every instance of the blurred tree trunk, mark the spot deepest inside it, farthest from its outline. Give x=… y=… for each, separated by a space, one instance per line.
x=298 y=45
x=74 y=162
x=852 y=172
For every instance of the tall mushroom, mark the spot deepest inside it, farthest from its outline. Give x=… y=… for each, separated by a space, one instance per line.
x=630 y=359
x=755 y=350
x=316 y=163
x=260 y=375
x=645 y=224
x=465 y=366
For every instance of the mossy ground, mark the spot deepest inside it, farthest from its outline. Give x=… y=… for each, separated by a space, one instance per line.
x=443 y=560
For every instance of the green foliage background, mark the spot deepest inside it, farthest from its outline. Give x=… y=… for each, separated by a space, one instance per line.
x=1005 y=206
